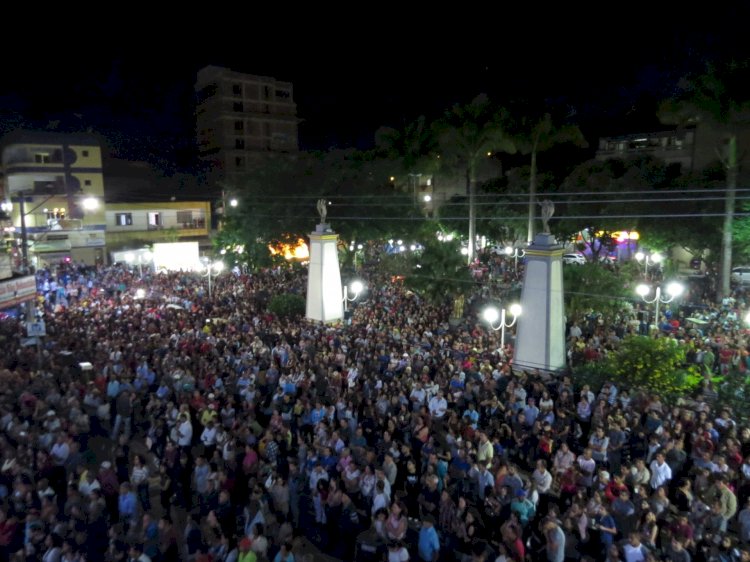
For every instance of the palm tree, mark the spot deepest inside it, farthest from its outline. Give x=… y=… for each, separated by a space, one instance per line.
x=414 y=147
x=468 y=133
x=543 y=136
x=717 y=100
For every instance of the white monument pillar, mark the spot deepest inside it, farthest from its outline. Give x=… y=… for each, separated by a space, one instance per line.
x=540 y=336
x=324 y=291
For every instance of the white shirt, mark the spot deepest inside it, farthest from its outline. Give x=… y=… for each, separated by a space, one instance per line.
x=543 y=481
x=660 y=474
x=438 y=406
x=633 y=553
x=208 y=437
x=418 y=394
x=185 y=434
x=60 y=452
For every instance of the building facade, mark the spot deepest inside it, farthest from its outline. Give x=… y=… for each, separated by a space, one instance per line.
x=143 y=206
x=54 y=186
x=131 y=225
x=693 y=148
x=240 y=117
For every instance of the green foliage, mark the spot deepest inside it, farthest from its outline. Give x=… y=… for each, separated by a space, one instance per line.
x=592 y=373
x=287 y=305
x=439 y=272
x=171 y=235
x=594 y=287
x=277 y=199
x=734 y=393
x=656 y=365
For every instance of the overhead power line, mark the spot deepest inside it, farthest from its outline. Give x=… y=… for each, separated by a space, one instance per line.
x=509 y=218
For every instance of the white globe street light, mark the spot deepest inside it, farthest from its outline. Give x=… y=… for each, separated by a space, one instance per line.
x=673 y=291
x=355 y=288
x=514 y=253
x=649 y=259
x=491 y=315
x=212 y=270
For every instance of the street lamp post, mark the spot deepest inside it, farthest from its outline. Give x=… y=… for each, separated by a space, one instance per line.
x=673 y=291
x=139 y=259
x=356 y=287
x=492 y=314
x=212 y=270
x=649 y=259
x=514 y=253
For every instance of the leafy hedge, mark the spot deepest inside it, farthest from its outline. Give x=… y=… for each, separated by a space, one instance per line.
x=658 y=366
x=287 y=305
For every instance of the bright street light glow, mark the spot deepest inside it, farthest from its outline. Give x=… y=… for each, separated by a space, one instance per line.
x=656 y=257
x=356 y=287
x=643 y=290
x=464 y=251
x=90 y=203
x=233 y=202
x=675 y=289
x=140 y=293
x=508 y=250
x=491 y=314
x=639 y=256
x=427 y=198
x=515 y=309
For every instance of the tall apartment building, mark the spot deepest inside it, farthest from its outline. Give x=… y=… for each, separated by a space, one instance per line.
x=240 y=117
x=55 y=186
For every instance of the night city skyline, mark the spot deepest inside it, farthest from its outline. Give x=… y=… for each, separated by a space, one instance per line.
x=348 y=84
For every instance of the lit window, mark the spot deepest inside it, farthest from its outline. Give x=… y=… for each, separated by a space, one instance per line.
x=41 y=158
x=123 y=219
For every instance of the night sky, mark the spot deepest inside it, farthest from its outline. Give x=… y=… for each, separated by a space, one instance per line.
x=604 y=69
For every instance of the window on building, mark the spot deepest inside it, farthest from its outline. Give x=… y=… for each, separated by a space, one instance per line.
x=285 y=94
x=86 y=182
x=123 y=219
x=154 y=220
x=85 y=153
x=42 y=158
x=239 y=126
x=184 y=218
x=239 y=144
x=237 y=106
x=239 y=162
x=237 y=89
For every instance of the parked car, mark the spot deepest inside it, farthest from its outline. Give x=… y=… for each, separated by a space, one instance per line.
x=741 y=274
x=576 y=259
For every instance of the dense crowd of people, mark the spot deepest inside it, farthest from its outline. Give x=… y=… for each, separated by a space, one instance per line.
x=168 y=425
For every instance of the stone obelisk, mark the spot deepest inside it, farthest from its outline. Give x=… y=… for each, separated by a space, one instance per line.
x=324 y=291
x=540 y=337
